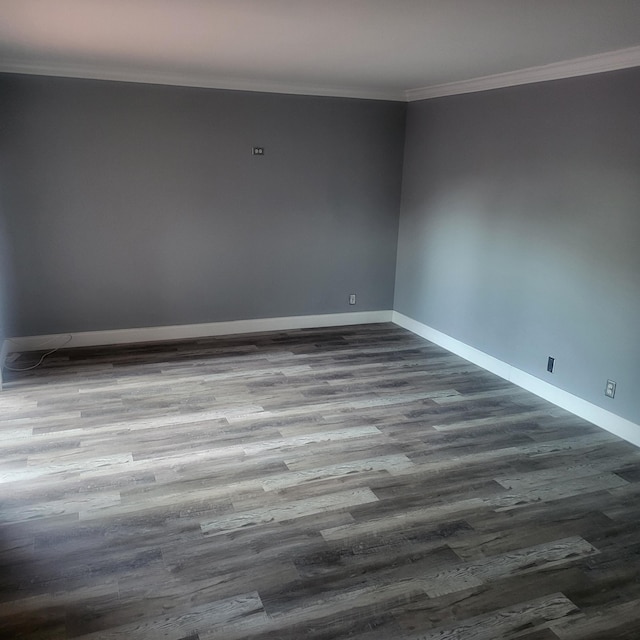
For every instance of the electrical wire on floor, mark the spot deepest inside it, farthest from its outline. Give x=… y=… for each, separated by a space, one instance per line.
x=48 y=353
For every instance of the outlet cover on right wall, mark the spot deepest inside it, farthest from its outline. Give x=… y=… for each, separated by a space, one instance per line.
x=610 y=389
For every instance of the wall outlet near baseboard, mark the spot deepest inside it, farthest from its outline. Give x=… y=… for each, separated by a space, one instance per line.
x=352 y=298
x=610 y=389
x=550 y=364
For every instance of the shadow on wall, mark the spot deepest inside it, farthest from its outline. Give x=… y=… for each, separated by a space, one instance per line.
x=4 y=270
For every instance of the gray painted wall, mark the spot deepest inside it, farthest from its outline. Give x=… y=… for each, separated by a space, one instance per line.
x=133 y=205
x=137 y=205
x=520 y=229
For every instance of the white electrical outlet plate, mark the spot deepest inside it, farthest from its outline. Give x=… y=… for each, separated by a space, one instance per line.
x=610 y=389
x=352 y=298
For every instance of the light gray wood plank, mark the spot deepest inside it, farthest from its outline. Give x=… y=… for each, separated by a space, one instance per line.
x=290 y=511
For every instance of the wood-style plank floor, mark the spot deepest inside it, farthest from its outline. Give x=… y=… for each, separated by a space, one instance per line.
x=352 y=482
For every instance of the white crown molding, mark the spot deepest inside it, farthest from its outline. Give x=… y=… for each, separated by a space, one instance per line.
x=610 y=61
x=175 y=78
x=604 y=419
x=599 y=63
x=186 y=331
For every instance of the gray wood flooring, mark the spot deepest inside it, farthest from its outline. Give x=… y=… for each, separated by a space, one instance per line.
x=352 y=482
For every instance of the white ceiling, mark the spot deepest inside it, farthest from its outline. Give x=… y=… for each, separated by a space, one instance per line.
x=395 y=49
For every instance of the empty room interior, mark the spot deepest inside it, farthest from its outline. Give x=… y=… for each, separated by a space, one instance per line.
x=320 y=319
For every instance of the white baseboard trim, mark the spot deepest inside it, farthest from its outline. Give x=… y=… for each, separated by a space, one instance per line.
x=611 y=422
x=181 y=332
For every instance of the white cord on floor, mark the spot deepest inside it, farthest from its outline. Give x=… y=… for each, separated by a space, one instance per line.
x=35 y=366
